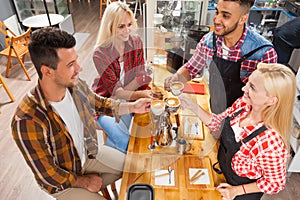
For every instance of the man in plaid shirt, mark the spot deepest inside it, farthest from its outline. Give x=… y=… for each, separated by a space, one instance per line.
x=54 y=125
x=230 y=54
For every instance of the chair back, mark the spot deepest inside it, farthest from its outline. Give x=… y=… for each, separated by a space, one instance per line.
x=17 y=47
x=6 y=32
x=19 y=44
x=13 y=24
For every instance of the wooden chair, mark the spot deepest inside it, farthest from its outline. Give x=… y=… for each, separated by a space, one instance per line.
x=106 y=194
x=6 y=32
x=137 y=6
x=17 y=48
x=102 y=3
x=2 y=83
x=106 y=3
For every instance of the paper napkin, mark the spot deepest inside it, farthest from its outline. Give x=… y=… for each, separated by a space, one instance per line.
x=162 y=178
x=203 y=179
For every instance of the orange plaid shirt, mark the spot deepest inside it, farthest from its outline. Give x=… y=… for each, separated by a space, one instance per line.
x=45 y=142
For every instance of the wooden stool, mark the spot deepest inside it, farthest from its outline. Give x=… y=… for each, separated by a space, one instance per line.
x=106 y=194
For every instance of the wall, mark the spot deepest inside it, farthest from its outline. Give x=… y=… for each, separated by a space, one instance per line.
x=6 y=11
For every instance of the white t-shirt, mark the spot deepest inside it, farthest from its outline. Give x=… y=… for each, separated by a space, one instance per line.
x=225 y=50
x=122 y=73
x=67 y=110
x=237 y=131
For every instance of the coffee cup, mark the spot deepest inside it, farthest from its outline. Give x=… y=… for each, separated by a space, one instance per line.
x=176 y=88
x=172 y=104
x=156 y=93
x=182 y=146
x=157 y=107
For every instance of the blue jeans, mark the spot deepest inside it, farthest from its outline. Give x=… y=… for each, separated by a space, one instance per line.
x=117 y=133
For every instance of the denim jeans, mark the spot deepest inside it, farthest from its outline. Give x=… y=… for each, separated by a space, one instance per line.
x=117 y=133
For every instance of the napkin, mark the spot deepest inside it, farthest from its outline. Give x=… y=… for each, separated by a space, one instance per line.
x=195 y=129
x=194 y=88
x=162 y=178
x=203 y=179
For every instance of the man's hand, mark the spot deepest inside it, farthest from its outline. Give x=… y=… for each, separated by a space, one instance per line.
x=182 y=75
x=141 y=105
x=170 y=80
x=91 y=182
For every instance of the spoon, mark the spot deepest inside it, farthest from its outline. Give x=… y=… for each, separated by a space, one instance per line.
x=170 y=170
x=196 y=126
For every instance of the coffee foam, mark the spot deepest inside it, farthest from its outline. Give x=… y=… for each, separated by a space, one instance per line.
x=172 y=102
x=177 y=86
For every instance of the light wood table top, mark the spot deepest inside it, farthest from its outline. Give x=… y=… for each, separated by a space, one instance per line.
x=141 y=163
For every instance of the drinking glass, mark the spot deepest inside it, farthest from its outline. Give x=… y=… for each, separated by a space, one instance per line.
x=156 y=109
x=150 y=70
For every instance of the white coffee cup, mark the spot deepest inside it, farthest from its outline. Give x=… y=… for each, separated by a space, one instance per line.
x=172 y=104
x=157 y=107
x=176 y=88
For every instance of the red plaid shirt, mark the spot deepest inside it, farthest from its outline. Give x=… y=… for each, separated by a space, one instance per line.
x=263 y=158
x=108 y=66
x=203 y=54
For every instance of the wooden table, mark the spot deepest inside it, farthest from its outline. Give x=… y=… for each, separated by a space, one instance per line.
x=141 y=163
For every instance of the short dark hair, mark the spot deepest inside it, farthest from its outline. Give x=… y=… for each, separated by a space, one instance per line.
x=246 y=3
x=43 y=46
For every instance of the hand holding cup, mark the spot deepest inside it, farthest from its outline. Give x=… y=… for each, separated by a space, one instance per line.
x=177 y=88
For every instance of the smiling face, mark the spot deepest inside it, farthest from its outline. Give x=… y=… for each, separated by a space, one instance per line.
x=67 y=72
x=124 y=27
x=255 y=93
x=229 y=18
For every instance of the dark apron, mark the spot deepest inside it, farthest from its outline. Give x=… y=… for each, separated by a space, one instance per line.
x=228 y=147
x=225 y=85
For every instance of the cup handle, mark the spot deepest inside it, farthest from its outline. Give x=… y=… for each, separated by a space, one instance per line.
x=188 y=146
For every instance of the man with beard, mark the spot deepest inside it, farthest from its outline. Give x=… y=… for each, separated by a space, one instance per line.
x=230 y=54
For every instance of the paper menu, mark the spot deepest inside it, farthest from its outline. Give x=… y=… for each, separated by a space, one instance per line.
x=194 y=88
x=192 y=127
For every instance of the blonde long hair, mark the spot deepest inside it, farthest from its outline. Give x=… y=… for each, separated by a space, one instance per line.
x=110 y=20
x=280 y=82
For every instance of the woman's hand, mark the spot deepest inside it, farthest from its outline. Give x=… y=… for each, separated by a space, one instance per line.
x=142 y=94
x=228 y=192
x=187 y=103
x=203 y=115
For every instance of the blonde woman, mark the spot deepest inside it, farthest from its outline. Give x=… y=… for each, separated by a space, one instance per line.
x=254 y=141
x=119 y=60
